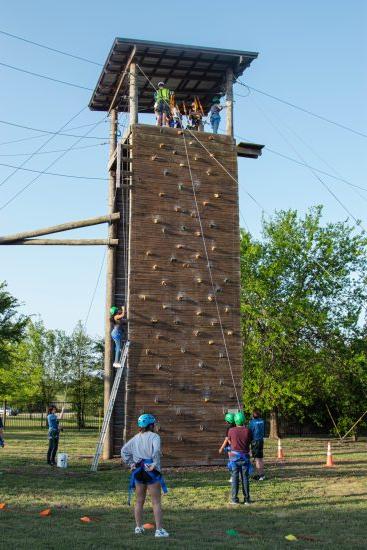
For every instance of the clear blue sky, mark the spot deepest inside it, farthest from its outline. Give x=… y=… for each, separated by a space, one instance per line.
x=311 y=53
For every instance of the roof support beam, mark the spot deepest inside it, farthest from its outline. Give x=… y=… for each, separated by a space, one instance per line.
x=122 y=78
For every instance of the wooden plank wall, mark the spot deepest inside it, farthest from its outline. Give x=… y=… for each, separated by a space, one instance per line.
x=178 y=369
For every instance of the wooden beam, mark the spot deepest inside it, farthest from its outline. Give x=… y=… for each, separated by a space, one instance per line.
x=121 y=81
x=110 y=289
x=69 y=242
x=229 y=98
x=111 y=218
x=133 y=94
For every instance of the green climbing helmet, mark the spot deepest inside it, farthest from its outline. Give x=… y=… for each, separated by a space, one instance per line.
x=229 y=418
x=215 y=100
x=239 y=418
x=113 y=310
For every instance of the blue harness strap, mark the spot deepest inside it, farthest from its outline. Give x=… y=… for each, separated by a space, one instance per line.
x=234 y=456
x=154 y=477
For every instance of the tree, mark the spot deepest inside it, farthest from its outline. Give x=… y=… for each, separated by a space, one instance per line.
x=303 y=291
x=12 y=326
x=84 y=375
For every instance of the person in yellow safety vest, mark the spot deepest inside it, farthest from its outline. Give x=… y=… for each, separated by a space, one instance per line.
x=162 y=104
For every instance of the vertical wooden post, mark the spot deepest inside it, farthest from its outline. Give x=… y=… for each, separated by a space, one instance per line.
x=110 y=289
x=133 y=94
x=229 y=98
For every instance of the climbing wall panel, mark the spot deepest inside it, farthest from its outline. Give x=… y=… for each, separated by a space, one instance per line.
x=178 y=366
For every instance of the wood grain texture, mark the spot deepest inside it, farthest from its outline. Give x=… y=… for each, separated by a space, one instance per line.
x=178 y=369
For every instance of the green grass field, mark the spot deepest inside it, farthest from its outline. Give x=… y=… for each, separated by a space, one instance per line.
x=325 y=508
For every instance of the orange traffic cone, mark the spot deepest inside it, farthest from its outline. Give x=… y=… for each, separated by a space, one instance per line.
x=280 y=450
x=329 y=457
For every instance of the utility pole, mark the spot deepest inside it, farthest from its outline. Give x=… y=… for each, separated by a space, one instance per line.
x=110 y=287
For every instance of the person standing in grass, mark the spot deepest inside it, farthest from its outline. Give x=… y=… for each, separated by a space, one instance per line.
x=53 y=433
x=257 y=428
x=143 y=454
x=239 y=458
x=2 y=442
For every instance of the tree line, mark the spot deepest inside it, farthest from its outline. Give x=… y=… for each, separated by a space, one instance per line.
x=303 y=314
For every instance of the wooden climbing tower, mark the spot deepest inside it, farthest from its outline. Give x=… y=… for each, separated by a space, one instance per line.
x=176 y=265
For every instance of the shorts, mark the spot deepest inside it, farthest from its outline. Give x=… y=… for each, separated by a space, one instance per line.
x=145 y=479
x=257 y=448
x=163 y=107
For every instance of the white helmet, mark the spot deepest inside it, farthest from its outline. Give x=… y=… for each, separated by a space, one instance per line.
x=161 y=84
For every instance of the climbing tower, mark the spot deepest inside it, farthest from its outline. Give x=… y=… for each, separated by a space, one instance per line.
x=176 y=265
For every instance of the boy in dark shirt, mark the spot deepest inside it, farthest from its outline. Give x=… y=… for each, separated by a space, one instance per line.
x=240 y=439
x=257 y=428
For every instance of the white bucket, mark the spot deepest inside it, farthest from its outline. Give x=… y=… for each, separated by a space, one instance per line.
x=62 y=460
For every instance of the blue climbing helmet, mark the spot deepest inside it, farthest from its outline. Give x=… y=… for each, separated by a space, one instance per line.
x=145 y=420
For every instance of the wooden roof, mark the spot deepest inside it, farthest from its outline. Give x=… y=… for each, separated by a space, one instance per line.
x=187 y=70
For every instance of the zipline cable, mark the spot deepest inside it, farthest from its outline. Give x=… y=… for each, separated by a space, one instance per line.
x=307 y=111
x=50 y=48
x=330 y=191
x=45 y=77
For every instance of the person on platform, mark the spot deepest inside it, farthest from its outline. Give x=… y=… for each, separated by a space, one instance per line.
x=195 y=117
x=162 y=104
x=2 y=442
x=143 y=454
x=239 y=458
x=117 y=316
x=214 y=116
x=53 y=433
x=257 y=428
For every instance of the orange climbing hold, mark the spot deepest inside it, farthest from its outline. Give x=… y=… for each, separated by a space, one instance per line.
x=2 y=505
x=45 y=513
x=148 y=526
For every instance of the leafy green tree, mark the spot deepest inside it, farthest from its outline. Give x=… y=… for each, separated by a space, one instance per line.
x=84 y=375
x=303 y=292
x=12 y=326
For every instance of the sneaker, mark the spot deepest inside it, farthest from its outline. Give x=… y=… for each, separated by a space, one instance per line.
x=234 y=502
x=117 y=365
x=161 y=533
x=139 y=530
x=261 y=478
x=256 y=477
x=247 y=502
x=230 y=480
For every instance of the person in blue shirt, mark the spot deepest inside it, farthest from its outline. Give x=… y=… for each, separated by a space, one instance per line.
x=117 y=316
x=2 y=442
x=257 y=428
x=53 y=433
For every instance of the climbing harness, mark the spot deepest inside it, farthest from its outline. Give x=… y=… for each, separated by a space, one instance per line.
x=235 y=456
x=146 y=476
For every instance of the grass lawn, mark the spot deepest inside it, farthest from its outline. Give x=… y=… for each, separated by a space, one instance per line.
x=327 y=507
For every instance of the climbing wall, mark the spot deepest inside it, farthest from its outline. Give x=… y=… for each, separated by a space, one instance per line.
x=178 y=366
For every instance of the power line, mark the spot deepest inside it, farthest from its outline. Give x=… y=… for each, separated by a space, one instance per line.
x=52 y=173
x=45 y=77
x=49 y=166
x=50 y=48
x=321 y=117
x=55 y=150
x=51 y=132
x=50 y=138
